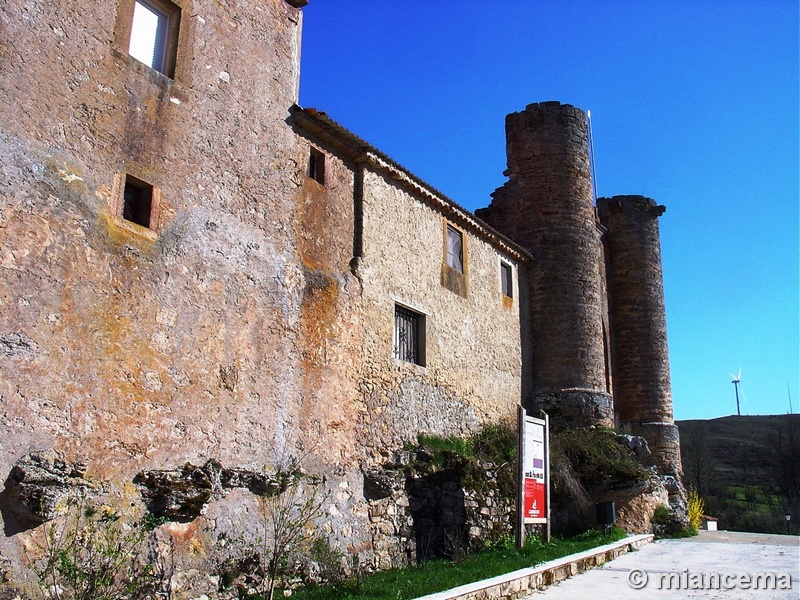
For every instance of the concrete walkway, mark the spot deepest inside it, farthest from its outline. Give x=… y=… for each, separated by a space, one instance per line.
x=715 y=564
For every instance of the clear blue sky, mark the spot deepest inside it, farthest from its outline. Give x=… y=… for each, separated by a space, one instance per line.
x=694 y=103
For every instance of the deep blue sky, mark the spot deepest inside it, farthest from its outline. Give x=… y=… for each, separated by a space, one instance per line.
x=694 y=103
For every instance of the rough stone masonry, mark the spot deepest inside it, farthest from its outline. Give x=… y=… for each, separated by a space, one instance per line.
x=201 y=282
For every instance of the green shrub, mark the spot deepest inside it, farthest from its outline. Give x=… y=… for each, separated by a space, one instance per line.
x=597 y=458
x=668 y=524
x=93 y=554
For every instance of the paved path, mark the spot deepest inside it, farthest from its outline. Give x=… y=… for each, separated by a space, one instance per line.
x=688 y=567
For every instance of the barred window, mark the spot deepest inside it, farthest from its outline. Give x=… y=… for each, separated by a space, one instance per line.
x=455 y=249
x=409 y=336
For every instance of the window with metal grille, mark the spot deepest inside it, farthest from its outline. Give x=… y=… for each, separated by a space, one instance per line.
x=506 y=281
x=154 y=33
x=409 y=336
x=455 y=249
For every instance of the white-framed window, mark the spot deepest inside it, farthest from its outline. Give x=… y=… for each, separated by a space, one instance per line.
x=154 y=34
x=455 y=249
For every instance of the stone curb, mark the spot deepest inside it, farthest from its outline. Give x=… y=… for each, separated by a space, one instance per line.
x=518 y=584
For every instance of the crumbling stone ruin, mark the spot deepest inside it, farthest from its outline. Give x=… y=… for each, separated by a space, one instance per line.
x=199 y=278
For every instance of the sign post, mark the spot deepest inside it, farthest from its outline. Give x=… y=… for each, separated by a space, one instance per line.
x=533 y=475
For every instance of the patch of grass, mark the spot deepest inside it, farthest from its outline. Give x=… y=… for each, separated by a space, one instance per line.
x=495 y=443
x=436 y=576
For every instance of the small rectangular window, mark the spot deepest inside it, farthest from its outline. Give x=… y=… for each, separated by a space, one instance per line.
x=506 y=280
x=154 y=33
x=316 y=166
x=455 y=249
x=137 y=205
x=409 y=336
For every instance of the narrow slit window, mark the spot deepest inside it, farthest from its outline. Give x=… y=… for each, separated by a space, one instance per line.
x=137 y=206
x=455 y=249
x=153 y=34
x=316 y=166
x=506 y=281
x=409 y=336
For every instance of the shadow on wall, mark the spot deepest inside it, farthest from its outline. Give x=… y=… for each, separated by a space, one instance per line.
x=11 y=525
x=439 y=514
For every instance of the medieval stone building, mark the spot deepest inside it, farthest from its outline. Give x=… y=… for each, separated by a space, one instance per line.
x=196 y=271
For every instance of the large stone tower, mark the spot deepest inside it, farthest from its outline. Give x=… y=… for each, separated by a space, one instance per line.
x=642 y=390
x=597 y=316
x=547 y=206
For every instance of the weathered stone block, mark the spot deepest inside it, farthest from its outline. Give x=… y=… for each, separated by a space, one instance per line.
x=41 y=483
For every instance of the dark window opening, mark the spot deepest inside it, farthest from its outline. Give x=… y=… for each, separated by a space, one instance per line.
x=154 y=34
x=137 y=204
x=506 y=281
x=316 y=166
x=455 y=249
x=409 y=336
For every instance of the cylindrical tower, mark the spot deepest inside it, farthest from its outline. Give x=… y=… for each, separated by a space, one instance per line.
x=547 y=207
x=642 y=391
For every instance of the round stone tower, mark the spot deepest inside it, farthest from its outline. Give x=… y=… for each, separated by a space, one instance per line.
x=547 y=207
x=642 y=390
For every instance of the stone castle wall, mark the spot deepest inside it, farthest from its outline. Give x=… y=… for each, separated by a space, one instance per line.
x=229 y=329
x=472 y=373
x=252 y=321
x=233 y=332
x=150 y=345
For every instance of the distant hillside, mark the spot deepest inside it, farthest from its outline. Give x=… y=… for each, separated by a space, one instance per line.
x=747 y=468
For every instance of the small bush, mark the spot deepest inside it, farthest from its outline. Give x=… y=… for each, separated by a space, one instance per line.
x=661 y=514
x=668 y=524
x=327 y=559
x=93 y=554
x=495 y=443
x=695 y=507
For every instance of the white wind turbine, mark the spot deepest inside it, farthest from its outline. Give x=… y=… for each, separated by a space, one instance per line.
x=735 y=382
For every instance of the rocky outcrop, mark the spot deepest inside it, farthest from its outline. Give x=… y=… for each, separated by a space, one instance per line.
x=381 y=483
x=635 y=506
x=636 y=443
x=41 y=483
x=182 y=494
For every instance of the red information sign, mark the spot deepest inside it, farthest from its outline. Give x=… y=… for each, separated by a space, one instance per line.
x=534 y=470
x=534 y=499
